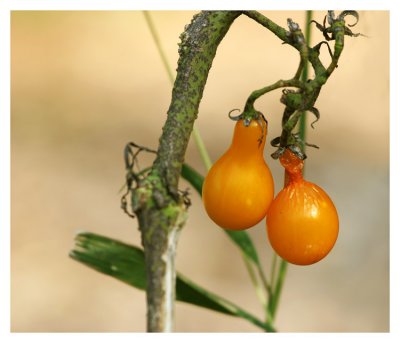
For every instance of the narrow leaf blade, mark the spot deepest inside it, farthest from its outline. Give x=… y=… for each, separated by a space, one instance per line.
x=193 y=177
x=243 y=241
x=126 y=263
x=111 y=257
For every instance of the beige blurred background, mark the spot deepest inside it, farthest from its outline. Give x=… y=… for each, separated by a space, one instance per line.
x=86 y=83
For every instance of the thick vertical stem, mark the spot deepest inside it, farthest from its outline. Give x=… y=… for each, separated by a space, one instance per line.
x=160 y=252
x=170 y=277
x=160 y=208
x=197 y=50
x=159 y=237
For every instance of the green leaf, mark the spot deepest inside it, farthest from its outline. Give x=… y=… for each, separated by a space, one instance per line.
x=111 y=257
x=126 y=263
x=193 y=177
x=243 y=241
x=240 y=238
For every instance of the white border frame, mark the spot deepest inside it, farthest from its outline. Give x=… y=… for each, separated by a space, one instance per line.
x=6 y=6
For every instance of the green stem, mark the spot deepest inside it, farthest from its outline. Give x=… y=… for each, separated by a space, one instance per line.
x=160 y=49
x=273 y=305
x=260 y=92
x=277 y=287
x=279 y=31
x=196 y=133
x=197 y=50
x=206 y=157
x=156 y=201
x=302 y=100
x=246 y=315
x=304 y=77
x=259 y=289
x=264 y=280
x=273 y=269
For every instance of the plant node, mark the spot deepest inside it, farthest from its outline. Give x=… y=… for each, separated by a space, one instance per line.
x=302 y=99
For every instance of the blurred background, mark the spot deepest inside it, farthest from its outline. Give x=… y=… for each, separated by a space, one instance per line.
x=86 y=83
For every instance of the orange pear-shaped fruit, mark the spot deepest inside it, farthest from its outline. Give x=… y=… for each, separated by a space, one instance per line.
x=302 y=221
x=239 y=188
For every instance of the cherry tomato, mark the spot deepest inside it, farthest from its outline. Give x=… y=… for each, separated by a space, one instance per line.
x=239 y=187
x=302 y=221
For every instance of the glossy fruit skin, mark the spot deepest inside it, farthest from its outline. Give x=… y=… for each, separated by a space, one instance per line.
x=302 y=221
x=239 y=188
